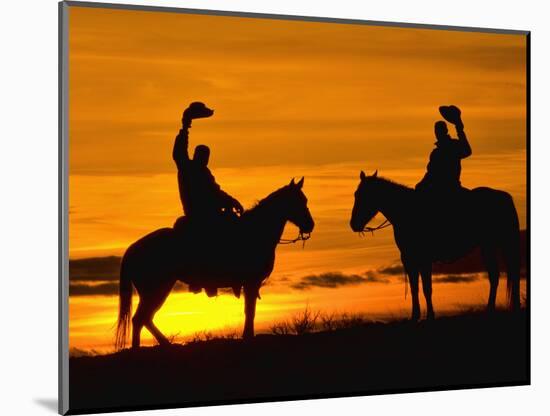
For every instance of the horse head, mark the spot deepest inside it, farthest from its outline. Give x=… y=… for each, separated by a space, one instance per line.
x=366 y=202
x=296 y=208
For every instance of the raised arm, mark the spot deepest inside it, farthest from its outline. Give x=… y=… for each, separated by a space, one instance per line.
x=464 y=146
x=180 y=153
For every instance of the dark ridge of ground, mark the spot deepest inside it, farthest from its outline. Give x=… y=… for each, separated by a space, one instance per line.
x=469 y=350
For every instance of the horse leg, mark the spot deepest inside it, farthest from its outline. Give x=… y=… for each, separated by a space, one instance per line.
x=513 y=264
x=250 y=296
x=426 y=274
x=412 y=272
x=138 y=322
x=159 y=336
x=491 y=264
x=155 y=303
x=149 y=304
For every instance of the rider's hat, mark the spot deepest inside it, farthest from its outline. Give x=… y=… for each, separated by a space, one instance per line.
x=451 y=113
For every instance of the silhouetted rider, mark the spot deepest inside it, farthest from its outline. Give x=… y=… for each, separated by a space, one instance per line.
x=201 y=197
x=443 y=170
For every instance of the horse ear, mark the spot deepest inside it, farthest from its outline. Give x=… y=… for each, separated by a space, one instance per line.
x=362 y=176
x=375 y=174
x=300 y=183
x=292 y=182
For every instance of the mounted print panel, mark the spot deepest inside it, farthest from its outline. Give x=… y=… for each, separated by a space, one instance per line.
x=260 y=208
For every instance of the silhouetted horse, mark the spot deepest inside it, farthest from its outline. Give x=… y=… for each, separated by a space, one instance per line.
x=242 y=258
x=444 y=229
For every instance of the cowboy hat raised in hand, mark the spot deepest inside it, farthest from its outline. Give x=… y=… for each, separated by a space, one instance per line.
x=196 y=110
x=451 y=113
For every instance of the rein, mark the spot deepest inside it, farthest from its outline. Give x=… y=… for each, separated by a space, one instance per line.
x=371 y=230
x=301 y=237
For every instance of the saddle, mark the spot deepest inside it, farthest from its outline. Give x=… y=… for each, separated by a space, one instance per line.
x=449 y=218
x=204 y=236
x=221 y=225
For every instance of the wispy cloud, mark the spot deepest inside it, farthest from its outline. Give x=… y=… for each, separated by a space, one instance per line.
x=95 y=288
x=394 y=269
x=86 y=289
x=334 y=280
x=456 y=278
x=94 y=269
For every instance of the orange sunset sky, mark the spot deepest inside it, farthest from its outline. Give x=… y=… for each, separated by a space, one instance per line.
x=291 y=99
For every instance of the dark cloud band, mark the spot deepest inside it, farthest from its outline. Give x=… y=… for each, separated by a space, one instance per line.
x=108 y=288
x=334 y=280
x=456 y=278
x=95 y=269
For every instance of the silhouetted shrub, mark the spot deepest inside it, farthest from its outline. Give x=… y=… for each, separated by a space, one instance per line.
x=202 y=336
x=328 y=321
x=280 y=328
x=304 y=322
x=348 y=320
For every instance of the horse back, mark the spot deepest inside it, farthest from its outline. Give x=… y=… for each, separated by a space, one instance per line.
x=155 y=239
x=153 y=250
x=449 y=228
x=494 y=207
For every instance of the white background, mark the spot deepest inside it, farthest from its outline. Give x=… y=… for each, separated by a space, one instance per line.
x=28 y=218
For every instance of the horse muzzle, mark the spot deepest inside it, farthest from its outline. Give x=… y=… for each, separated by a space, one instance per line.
x=356 y=226
x=307 y=228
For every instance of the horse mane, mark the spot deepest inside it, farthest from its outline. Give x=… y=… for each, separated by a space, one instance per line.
x=392 y=183
x=263 y=202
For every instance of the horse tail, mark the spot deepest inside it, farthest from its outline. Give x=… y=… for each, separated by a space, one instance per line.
x=512 y=254
x=124 y=305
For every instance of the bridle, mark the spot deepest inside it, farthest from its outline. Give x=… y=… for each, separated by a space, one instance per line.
x=371 y=230
x=301 y=237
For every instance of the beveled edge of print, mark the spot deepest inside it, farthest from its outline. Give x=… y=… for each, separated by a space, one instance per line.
x=63 y=207
x=319 y=19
